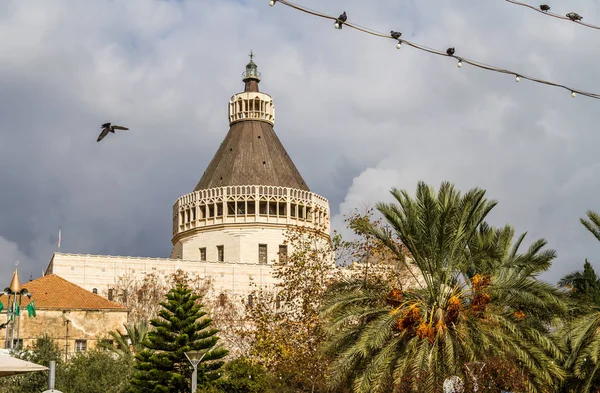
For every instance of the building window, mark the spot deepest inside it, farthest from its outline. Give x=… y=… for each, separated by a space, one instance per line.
x=277 y=302
x=203 y=254
x=110 y=294
x=262 y=254
x=222 y=299
x=283 y=253
x=220 y=254
x=95 y=290
x=250 y=301
x=80 y=345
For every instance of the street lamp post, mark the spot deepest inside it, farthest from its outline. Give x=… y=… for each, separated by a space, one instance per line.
x=195 y=358
x=14 y=294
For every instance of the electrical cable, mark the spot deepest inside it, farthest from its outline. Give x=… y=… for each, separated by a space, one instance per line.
x=572 y=19
x=342 y=21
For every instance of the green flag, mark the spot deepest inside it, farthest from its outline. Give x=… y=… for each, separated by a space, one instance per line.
x=17 y=310
x=31 y=309
x=1 y=306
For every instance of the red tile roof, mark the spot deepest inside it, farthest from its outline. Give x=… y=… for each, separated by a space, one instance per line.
x=54 y=292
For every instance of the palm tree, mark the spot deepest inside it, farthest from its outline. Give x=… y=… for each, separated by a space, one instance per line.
x=131 y=342
x=582 y=335
x=592 y=223
x=477 y=300
x=583 y=285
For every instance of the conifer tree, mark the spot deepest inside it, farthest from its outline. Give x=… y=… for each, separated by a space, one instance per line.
x=181 y=326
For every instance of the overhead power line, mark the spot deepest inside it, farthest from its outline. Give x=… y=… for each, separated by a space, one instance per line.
x=545 y=9
x=342 y=20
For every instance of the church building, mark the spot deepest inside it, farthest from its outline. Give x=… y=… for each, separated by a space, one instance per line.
x=232 y=226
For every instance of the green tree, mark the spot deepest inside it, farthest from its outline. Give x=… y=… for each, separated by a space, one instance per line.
x=181 y=326
x=583 y=286
x=243 y=376
x=474 y=299
x=592 y=223
x=286 y=327
x=581 y=335
x=129 y=343
x=42 y=352
x=96 y=371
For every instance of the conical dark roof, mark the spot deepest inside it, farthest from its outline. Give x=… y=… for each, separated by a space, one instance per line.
x=251 y=154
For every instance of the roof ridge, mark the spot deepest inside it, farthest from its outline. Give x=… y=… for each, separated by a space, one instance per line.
x=52 y=291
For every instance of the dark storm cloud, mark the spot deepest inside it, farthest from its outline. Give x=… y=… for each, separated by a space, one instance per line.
x=355 y=114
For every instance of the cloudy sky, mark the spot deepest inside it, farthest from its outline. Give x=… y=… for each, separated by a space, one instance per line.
x=357 y=115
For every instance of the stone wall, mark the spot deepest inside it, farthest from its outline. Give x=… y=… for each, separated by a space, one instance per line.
x=83 y=325
x=101 y=272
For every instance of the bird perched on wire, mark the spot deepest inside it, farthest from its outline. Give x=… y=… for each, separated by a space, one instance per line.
x=106 y=128
x=574 y=16
x=395 y=34
x=340 y=21
x=450 y=51
x=545 y=7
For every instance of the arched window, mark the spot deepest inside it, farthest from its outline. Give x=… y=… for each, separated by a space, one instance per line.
x=110 y=294
x=222 y=299
x=95 y=290
x=250 y=300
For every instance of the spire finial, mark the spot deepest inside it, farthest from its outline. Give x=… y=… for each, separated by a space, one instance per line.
x=251 y=76
x=15 y=283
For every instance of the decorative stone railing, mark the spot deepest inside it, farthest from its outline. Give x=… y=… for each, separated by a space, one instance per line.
x=251 y=106
x=249 y=204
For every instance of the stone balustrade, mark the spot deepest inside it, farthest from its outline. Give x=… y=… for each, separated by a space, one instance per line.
x=249 y=204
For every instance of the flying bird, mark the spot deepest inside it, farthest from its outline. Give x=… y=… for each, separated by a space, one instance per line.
x=4 y=325
x=395 y=34
x=574 y=16
x=450 y=51
x=106 y=128
x=545 y=7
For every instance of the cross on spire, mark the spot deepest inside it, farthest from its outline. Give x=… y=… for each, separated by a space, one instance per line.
x=251 y=55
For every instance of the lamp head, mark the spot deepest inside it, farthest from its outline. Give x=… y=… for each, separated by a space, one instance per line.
x=195 y=356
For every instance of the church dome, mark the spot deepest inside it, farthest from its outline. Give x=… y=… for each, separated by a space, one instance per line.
x=251 y=153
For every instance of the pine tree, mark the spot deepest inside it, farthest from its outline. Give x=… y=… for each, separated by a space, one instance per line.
x=181 y=326
x=584 y=285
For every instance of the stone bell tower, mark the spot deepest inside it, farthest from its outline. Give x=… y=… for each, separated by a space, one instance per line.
x=250 y=192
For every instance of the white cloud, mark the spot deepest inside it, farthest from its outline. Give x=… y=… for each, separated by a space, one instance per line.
x=355 y=114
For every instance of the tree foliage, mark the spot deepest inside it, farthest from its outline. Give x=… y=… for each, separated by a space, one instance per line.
x=286 y=328
x=42 y=352
x=583 y=286
x=181 y=326
x=243 y=376
x=582 y=334
x=592 y=223
x=95 y=371
x=142 y=294
x=475 y=299
x=127 y=343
